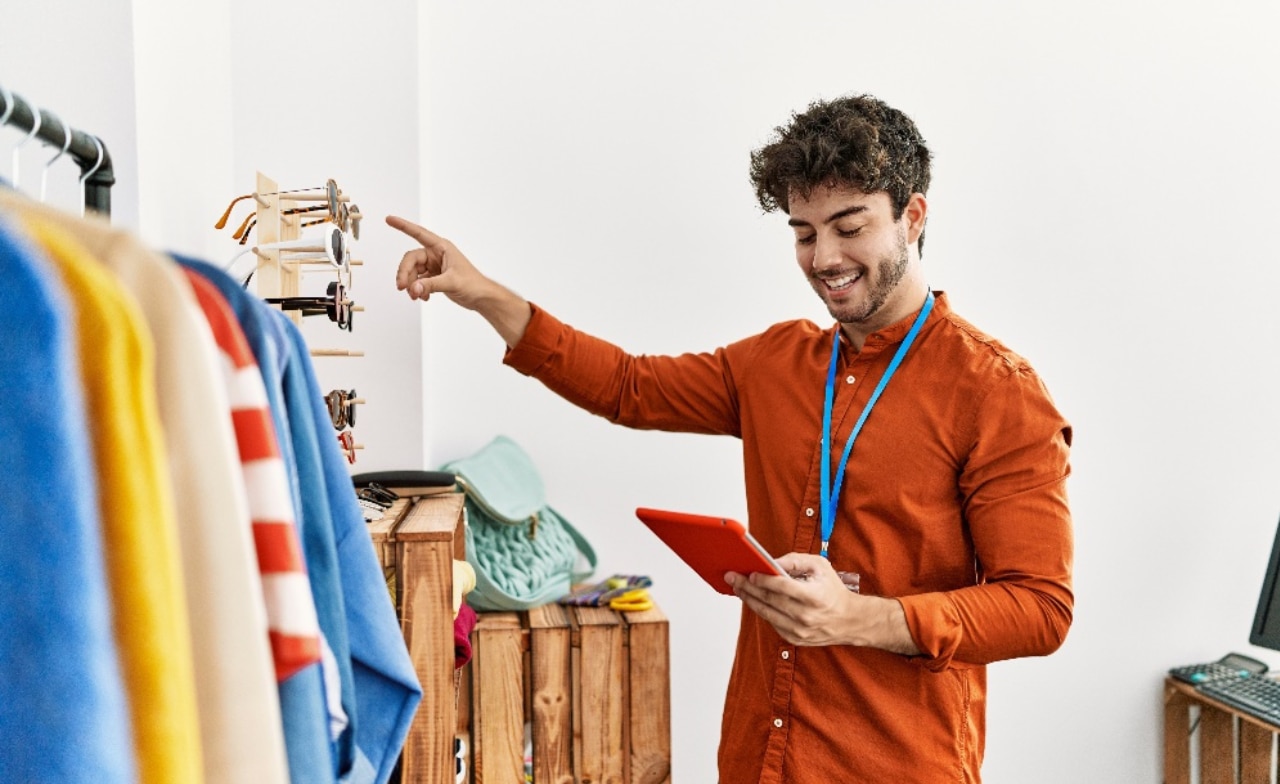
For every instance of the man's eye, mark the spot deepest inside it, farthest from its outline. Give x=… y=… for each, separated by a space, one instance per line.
x=805 y=240
x=846 y=233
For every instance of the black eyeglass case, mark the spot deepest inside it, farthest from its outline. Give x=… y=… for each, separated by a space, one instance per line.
x=403 y=479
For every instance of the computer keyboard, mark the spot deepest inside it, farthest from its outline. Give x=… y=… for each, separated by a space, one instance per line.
x=1252 y=693
x=1196 y=674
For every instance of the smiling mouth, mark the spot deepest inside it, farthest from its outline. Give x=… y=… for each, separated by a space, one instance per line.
x=842 y=282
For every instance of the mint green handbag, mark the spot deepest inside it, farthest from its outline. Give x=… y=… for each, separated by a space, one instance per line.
x=523 y=552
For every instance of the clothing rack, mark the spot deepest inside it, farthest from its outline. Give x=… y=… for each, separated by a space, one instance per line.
x=89 y=151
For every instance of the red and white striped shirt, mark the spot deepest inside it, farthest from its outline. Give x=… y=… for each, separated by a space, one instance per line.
x=291 y=612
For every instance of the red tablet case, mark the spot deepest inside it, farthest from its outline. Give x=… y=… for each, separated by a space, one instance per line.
x=710 y=545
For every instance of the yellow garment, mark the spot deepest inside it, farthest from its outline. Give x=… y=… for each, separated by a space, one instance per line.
x=139 y=523
x=464 y=582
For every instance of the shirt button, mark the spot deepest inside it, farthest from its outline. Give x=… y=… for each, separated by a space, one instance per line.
x=777 y=722
x=808 y=512
x=786 y=654
x=849 y=379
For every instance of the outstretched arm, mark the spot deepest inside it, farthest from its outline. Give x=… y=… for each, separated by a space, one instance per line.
x=439 y=267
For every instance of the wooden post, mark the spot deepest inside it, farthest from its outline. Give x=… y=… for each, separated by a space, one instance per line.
x=424 y=556
x=599 y=698
x=552 y=694
x=649 y=696
x=1217 y=738
x=1177 y=735
x=1255 y=753
x=497 y=703
x=273 y=279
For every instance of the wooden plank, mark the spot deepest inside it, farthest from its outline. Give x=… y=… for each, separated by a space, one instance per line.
x=497 y=719
x=463 y=730
x=1255 y=754
x=272 y=279
x=552 y=696
x=382 y=532
x=649 y=696
x=464 y=695
x=426 y=580
x=598 y=661
x=1177 y=734
x=432 y=518
x=1217 y=739
x=383 y=529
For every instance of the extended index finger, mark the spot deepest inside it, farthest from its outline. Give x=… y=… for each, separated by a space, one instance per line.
x=427 y=238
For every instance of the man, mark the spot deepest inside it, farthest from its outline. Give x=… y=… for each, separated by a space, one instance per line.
x=941 y=543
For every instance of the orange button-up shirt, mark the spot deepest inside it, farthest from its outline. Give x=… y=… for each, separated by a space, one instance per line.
x=954 y=502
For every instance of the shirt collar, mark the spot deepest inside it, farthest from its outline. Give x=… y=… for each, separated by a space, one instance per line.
x=894 y=334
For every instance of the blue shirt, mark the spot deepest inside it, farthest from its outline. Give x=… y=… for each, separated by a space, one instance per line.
x=387 y=691
x=63 y=716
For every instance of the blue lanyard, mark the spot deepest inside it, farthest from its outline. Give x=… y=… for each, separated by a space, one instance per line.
x=831 y=492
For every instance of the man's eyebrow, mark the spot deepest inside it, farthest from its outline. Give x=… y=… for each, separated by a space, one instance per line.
x=854 y=210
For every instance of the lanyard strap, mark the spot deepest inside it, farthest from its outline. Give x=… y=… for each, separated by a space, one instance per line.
x=831 y=492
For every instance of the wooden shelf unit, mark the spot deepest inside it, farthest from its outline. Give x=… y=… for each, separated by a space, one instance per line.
x=1233 y=747
x=592 y=684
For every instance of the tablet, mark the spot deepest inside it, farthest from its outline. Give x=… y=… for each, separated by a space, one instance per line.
x=711 y=545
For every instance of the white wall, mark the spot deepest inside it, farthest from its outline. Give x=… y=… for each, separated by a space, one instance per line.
x=74 y=59
x=1101 y=201
x=1103 y=190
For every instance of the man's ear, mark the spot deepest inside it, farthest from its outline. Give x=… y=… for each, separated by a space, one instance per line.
x=914 y=214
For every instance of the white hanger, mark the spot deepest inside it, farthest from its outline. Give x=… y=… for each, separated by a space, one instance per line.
x=101 y=154
x=66 y=144
x=8 y=104
x=35 y=128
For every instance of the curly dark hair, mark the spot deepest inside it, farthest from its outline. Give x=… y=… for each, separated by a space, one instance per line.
x=857 y=141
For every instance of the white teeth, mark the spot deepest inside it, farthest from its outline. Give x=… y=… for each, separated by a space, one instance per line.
x=841 y=282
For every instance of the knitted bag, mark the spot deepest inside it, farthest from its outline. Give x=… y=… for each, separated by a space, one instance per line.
x=523 y=552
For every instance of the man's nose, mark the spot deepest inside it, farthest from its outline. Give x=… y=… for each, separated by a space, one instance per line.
x=826 y=254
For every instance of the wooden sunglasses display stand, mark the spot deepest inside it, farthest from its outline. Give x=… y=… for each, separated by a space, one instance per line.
x=277 y=277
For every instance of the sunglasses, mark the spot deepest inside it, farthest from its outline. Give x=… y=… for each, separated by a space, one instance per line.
x=333 y=202
x=342 y=407
x=336 y=305
x=348 y=444
x=379 y=495
x=338 y=212
x=331 y=248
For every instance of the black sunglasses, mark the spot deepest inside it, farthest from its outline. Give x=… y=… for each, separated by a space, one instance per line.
x=336 y=306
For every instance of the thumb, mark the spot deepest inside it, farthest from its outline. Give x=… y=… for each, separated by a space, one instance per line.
x=442 y=282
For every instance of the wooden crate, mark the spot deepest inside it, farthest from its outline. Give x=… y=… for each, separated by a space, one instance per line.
x=593 y=685
x=417 y=542
x=1232 y=745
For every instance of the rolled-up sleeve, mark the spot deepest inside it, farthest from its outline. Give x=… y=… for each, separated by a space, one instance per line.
x=1014 y=493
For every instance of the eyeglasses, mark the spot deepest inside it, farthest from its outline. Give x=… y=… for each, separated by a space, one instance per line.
x=333 y=202
x=336 y=306
x=342 y=407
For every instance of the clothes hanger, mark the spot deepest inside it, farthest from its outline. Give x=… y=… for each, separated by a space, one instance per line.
x=35 y=128
x=8 y=104
x=86 y=175
x=66 y=144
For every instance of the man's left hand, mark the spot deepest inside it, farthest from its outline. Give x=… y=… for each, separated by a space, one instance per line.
x=814 y=607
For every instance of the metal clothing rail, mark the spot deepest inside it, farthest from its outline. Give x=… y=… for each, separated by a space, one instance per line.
x=89 y=152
